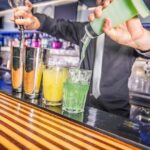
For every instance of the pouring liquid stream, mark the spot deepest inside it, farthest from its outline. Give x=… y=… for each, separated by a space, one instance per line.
x=86 y=40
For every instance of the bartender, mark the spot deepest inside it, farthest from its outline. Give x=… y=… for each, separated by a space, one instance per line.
x=110 y=61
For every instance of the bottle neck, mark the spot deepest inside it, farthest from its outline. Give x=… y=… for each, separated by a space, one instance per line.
x=90 y=32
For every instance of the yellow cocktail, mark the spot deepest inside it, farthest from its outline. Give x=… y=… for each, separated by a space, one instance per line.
x=39 y=77
x=53 y=79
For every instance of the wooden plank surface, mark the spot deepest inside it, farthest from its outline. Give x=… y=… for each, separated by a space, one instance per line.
x=24 y=127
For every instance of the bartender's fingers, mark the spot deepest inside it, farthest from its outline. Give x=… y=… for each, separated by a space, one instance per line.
x=23 y=8
x=28 y=4
x=106 y=3
x=135 y=28
x=12 y=18
x=109 y=30
x=107 y=25
x=103 y=3
x=91 y=17
x=119 y=34
x=22 y=14
x=99 y=2
x=24 y=22
x=98 y=12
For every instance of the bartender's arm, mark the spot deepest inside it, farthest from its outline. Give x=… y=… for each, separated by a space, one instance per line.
x=130 y=33
x=67 y=30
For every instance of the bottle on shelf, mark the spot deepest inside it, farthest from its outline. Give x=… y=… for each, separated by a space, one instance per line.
x=44 y=40
x=28 y=40
x=15 y=40
x=36 y=42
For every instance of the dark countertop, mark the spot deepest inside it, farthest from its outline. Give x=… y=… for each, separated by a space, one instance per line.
x=107 y=123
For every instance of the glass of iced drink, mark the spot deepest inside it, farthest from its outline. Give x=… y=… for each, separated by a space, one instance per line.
x=54 y=76
x=75 y=90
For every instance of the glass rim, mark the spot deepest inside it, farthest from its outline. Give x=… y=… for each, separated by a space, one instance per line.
x=56 y=65
x=75 y=68
x=80 y=75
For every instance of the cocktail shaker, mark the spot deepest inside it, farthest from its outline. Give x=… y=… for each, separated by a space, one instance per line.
x=33 y=66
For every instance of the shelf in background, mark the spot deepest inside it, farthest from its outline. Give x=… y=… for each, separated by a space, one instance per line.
x=63 y=52
x=60 y=52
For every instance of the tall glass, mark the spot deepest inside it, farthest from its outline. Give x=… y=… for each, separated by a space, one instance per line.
x=16 y=69
x=33 y=68
x=53 y=80
x=75 y=90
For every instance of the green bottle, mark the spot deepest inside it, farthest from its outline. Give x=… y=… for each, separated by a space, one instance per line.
x=119 y=11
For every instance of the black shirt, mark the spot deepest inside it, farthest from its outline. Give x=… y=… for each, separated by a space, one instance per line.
x=116 y=67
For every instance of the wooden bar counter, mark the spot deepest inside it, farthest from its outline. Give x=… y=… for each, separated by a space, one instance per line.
x=24 y=126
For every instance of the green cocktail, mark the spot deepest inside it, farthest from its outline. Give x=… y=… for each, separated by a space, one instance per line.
x=75 y=91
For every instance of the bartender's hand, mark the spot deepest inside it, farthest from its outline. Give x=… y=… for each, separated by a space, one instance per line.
x=130 y=33
x=23 y=16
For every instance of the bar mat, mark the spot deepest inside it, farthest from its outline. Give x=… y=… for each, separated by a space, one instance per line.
x=24 y=126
